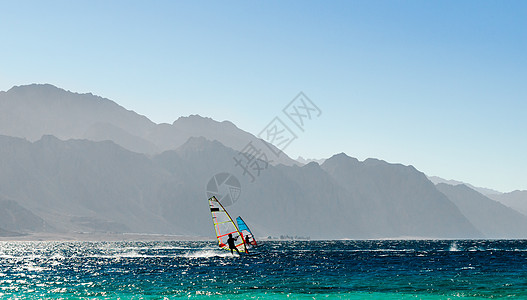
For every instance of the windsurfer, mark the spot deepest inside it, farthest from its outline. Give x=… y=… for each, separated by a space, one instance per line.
x=248 y=240
x=232 y=246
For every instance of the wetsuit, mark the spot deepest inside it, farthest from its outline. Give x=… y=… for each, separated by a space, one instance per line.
x=232 y=246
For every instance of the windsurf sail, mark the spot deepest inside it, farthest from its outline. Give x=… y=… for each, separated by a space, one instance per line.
x=224 y=226
x=246 y=232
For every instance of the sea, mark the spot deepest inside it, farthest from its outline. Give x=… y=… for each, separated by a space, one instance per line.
x=351 y=269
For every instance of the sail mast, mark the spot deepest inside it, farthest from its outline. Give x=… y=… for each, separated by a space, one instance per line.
x=224 y=225
x=244 y=229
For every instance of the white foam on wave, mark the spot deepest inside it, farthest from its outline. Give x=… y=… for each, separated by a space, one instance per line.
x=57 y=256
x=153 y=248
x=453 y=247
x=127 y=254
x=208 y=254
x=130 y=254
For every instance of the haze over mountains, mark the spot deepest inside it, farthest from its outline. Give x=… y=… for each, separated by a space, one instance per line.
x=488 y=192
x=514 y=199
x=492 y=218
x=35 y=110
x=81 y=163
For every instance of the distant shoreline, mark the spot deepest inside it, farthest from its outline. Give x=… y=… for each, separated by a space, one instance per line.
x=63 y=237
x=146 y=237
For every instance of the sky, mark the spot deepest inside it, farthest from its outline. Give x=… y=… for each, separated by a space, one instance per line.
x=440 y=85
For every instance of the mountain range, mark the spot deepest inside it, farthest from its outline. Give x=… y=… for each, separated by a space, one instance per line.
x=81 y=163
x=35 y=110
x=485 y=191
x=515 y=199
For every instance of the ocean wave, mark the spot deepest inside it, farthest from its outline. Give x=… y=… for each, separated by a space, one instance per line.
x=207 y=254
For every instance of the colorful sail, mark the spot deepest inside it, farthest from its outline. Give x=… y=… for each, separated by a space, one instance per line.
x=246 y=232
x=224 y=226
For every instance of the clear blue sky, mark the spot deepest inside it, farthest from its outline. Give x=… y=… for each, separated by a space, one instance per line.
x=440 y=85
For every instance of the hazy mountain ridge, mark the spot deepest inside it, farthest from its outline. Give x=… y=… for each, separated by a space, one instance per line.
x=15 y=219
x=494 y=219
x=516 y=200
x=305 y=161
x=402 y=202
x=33 y=111
x=85 y=186
x=45 y=109
x=77 y=182
x=107 y=173
x=485 y=191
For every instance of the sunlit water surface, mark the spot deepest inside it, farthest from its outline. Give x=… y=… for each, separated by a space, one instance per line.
x=297 y=270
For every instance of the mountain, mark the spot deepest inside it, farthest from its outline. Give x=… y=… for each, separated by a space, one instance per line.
x=400 y=201
x=274 y=202
x=485 y=191
x=81 y=163
x=32 y=111
x=515 y=199
x=35 y=110
x=79 y=185
x=15 y=219
x=310 y=201
x=492 y=218
x=305 y=161
x=86 y=186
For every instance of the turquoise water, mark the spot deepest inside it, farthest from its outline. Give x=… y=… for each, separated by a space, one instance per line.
x=294 y=270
